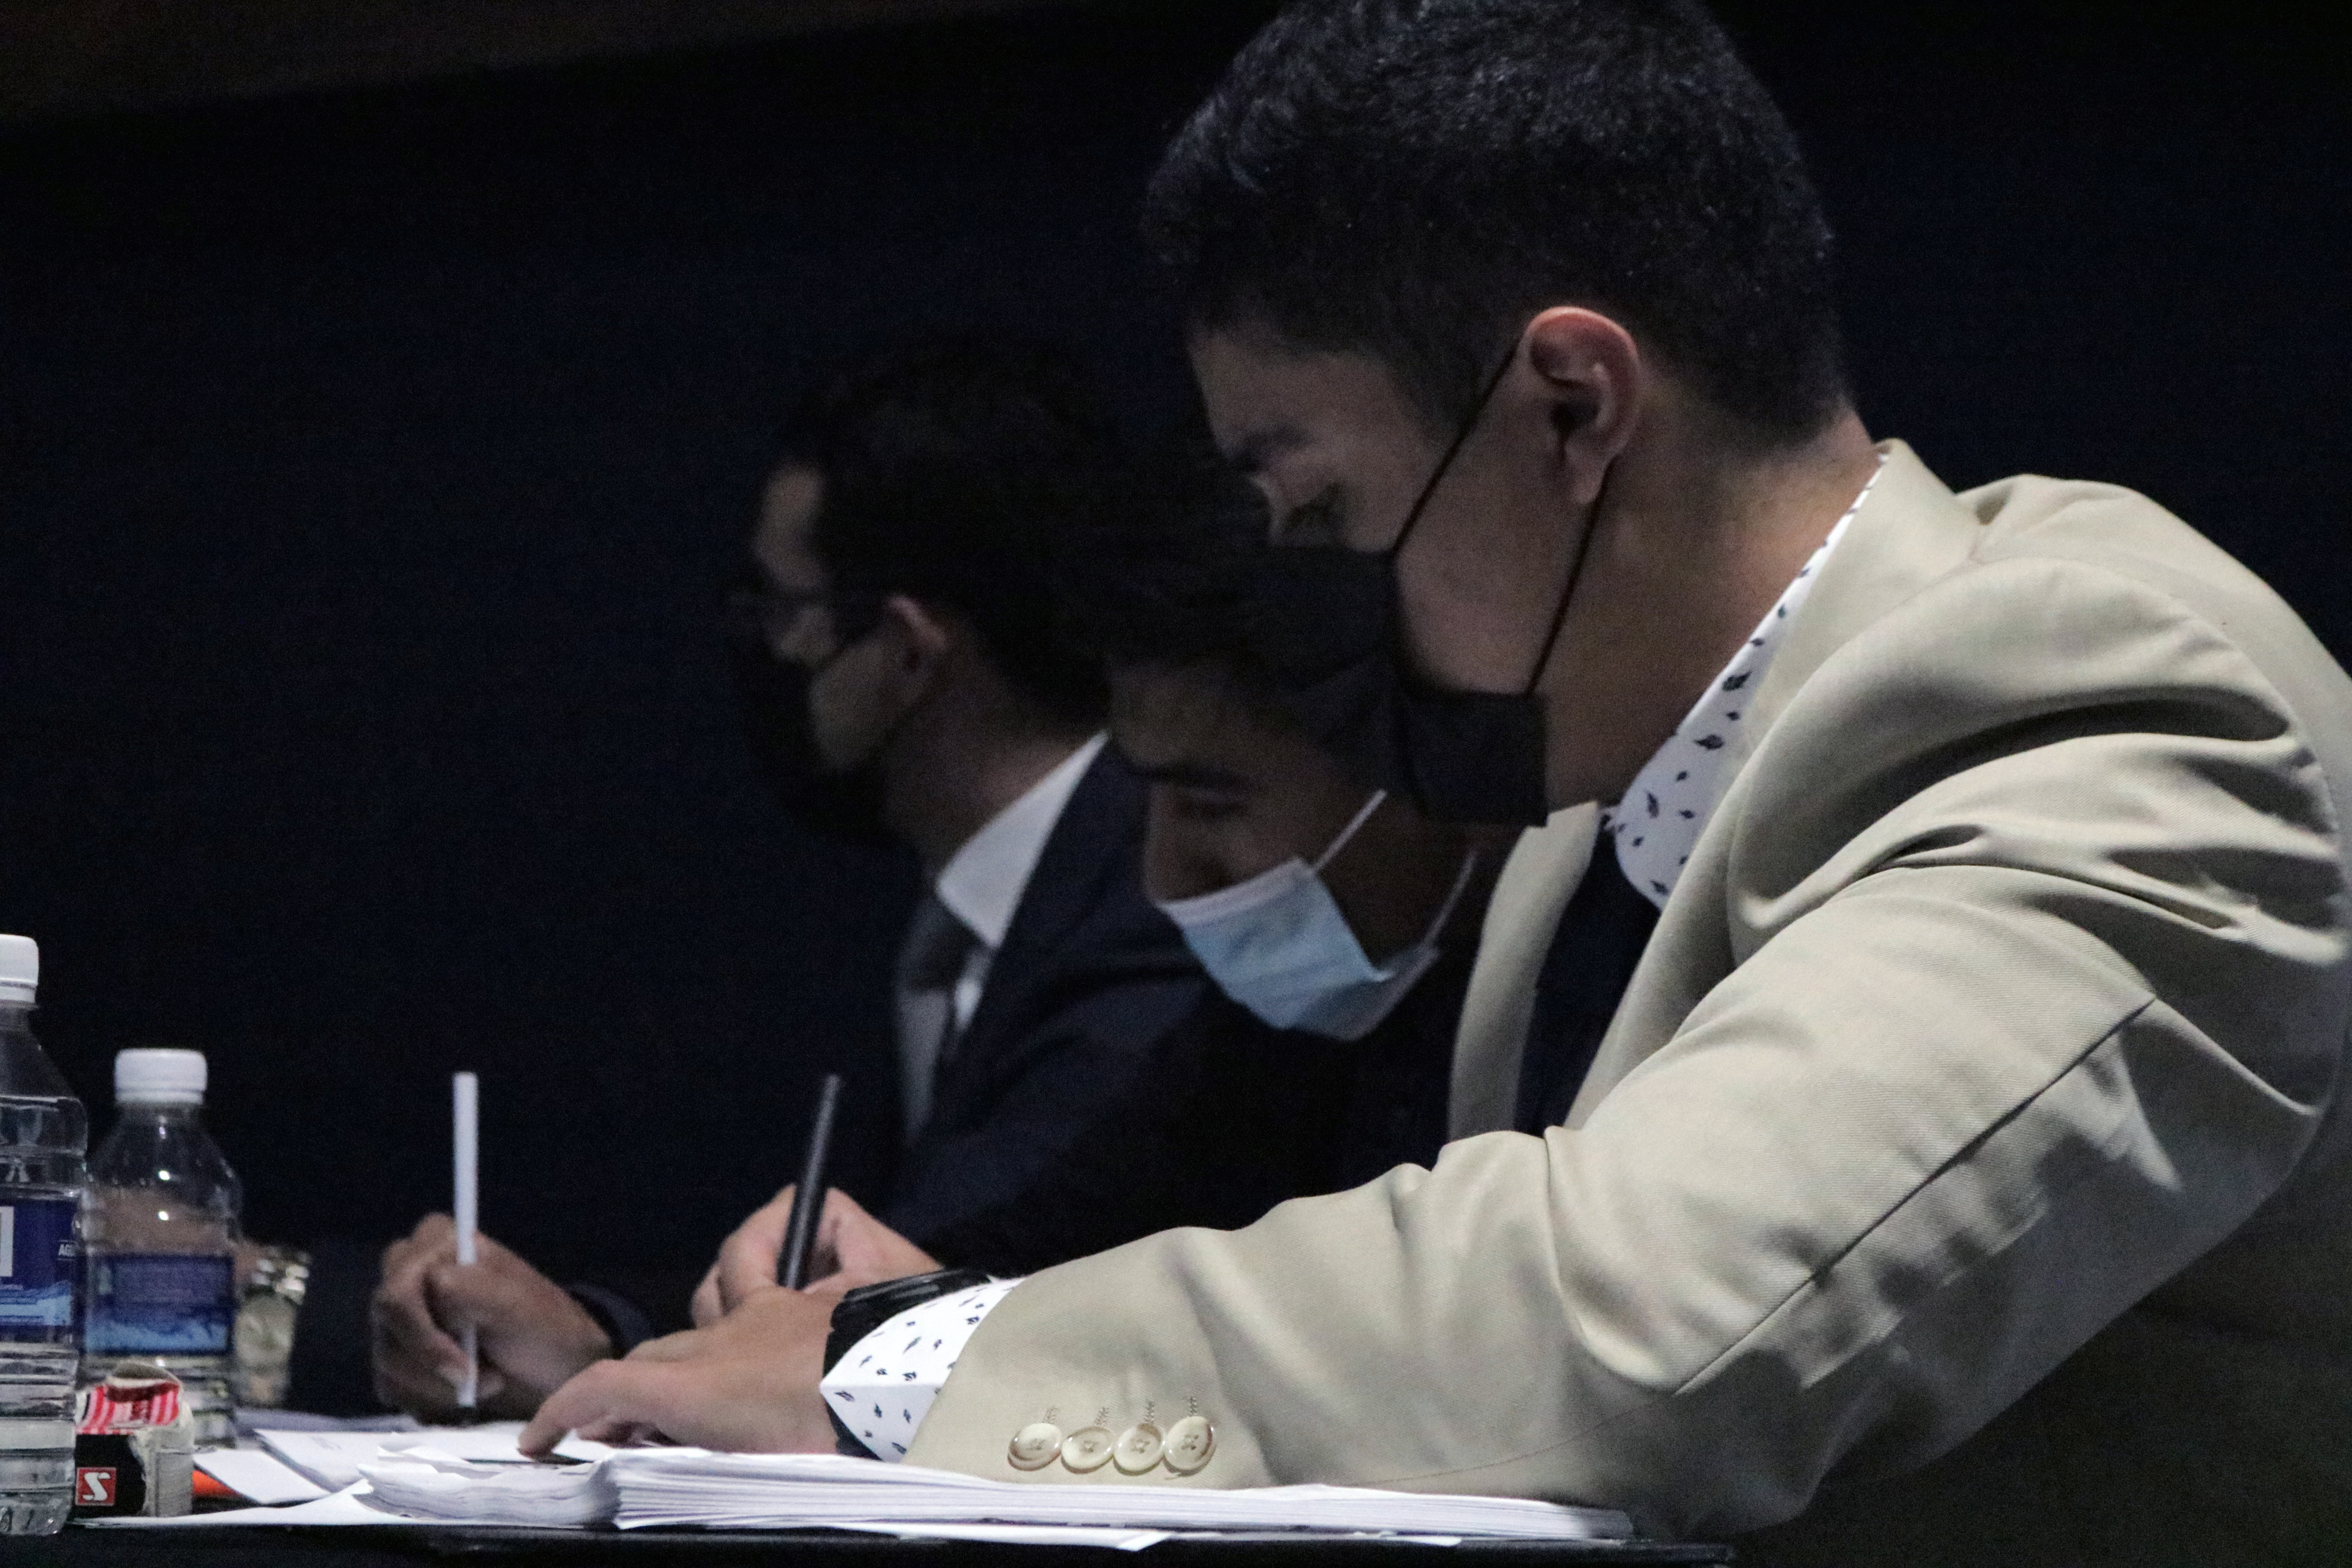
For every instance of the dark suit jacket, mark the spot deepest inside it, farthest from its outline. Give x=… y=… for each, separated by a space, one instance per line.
x=1090 y=981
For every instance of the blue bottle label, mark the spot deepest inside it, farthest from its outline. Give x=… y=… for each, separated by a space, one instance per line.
x=160 y=1303
x=38 y=1263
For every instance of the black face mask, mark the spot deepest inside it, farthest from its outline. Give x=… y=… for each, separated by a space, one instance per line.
x=771 y=695
x=1324 y=622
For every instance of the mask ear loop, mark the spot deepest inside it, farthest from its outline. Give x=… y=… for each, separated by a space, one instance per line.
x=1445 y=909
x=1348 y=832
x=1437 y=476
x=1461 y=439
x=1575 y=575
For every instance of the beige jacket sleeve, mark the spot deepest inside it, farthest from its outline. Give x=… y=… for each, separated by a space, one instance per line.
x=2009 y=978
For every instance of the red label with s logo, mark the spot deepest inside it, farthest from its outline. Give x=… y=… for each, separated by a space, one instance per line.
x=94 y=1487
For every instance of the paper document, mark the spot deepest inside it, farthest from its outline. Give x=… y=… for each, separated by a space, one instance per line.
x=430 y=1483
x=350 y=1506
x=251 y=1419
x=259 y=1476
x=333 y=1458
x=766 y=1492
x=475 y=1476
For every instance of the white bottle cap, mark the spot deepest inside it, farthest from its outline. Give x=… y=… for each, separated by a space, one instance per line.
x=20 y=968
x=159 y=1078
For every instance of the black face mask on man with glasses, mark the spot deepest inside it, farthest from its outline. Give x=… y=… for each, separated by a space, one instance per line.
x=1325 y=623
x=771 y=695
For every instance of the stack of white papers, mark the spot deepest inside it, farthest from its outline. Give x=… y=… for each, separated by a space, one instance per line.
x=334 y=1459
x=432 y=1483
x=476 y=1475
x=769 y=1491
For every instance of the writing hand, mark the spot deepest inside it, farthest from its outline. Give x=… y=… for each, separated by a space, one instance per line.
x=748 y=1384
x=533 y=1337
x=853 y=1248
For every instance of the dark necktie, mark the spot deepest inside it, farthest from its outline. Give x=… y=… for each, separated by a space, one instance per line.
x=1599 y=941
x=930 y=963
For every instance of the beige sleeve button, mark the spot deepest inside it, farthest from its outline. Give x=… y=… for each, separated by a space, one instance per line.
x=1138 y=1448
x=1086 y=1449
x=1190 y=1443
x=1034 y=1446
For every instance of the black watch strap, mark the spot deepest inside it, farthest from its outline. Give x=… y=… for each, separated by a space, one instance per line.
x=866 y=1308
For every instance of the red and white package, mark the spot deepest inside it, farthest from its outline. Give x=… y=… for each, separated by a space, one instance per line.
x=124 y=1404
x=134 y=1450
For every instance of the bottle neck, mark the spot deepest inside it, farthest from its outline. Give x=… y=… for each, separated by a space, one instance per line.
x=14 y=1015
x=160 y=1112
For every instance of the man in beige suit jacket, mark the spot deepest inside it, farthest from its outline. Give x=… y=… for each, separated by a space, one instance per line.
x=1988 y=1045
x=1965 y=1173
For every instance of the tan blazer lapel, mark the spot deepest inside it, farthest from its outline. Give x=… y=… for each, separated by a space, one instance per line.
x=1911 y=532
x=1541 y=875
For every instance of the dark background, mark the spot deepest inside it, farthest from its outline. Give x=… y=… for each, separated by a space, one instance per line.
x=368 y=459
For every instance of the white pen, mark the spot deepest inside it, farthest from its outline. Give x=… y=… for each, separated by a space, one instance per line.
x=466 y=1094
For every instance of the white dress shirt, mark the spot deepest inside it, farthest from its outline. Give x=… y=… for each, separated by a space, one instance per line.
x=1653 y=825
x=1658 y=818
x=953 y=940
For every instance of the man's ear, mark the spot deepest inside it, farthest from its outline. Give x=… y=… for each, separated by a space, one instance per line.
x=919 y=637
x=1593 y=374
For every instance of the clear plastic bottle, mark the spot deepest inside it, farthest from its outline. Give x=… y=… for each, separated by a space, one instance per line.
x=160 y=1226
x=42 y=1133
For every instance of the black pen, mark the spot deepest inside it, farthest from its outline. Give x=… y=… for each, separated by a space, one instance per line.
x=808 y=1199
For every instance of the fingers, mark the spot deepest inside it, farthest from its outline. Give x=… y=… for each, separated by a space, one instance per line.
x=492 y=1294
x=413 y=1358
x=708 y=1308
x=609 y=1395
x=618 y=1402
x=418 y=1383
x=747 y=1259
x=619 y=1433
x=432 y=1233
x=832 y=1288
x=842 y=1213
x=400 y=1305
x=532 y=1330
x=408 y=1376
x=864 y=1251
x=852 y=1248
x=531 y=1334
x=748 y=1386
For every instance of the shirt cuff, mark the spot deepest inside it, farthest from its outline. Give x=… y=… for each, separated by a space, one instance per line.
x=883 y=1387
x=626 y=1324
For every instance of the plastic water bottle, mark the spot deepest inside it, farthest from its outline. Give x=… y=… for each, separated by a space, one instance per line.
x=42 y=1131
x=160 y=1225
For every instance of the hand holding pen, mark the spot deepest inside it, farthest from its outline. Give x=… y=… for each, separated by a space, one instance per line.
x=456 y=1314
x=830 y=1244
x=747 y=1377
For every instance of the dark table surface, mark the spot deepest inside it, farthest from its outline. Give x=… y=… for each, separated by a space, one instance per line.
x=391 y=1546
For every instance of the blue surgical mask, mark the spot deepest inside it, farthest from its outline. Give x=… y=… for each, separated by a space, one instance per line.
x=1279 y=945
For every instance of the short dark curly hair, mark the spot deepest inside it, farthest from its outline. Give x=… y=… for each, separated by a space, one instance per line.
x=953 y=466
x=1413 y=179
x=1171 y=580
